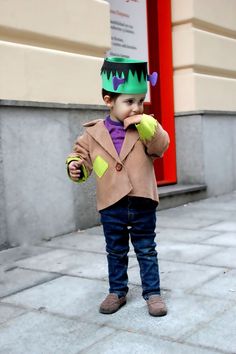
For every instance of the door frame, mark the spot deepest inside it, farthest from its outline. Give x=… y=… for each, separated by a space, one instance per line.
x=162 y=98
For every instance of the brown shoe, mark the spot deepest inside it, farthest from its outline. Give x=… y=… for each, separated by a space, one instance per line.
x=156 y=306
x=112 y=303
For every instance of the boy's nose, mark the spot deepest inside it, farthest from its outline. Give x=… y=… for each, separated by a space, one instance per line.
x=136 y=108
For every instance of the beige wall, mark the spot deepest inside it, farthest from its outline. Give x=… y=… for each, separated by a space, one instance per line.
x=204 y=52
x=51 y=51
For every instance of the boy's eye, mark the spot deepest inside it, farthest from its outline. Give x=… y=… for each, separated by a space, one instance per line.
x=132 y=101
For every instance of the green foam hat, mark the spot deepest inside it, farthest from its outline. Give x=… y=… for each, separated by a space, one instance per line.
x=126 y=76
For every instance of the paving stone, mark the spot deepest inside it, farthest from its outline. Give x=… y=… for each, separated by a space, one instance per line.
x=82 y=241
x=96 y=230
x=224 y=202
x=183 y=235
x=185 y=313
x=79 y=241
x=184 y=252
x=93 y=266
x=225 y=258
x=60 y=260
x=192 y=211
x=226 y=226
x=69 y=296
x=175 y=276
x=182 y=210
x=219 y=333
x=16 y=279
x=55 y=261
x=132 y=343
x=85 y=264
x=214 y=215
x=184 y=222
x=223 y=239
x=12 y=255
x=41 y=333
x=8 y=312
x=229 y=206
x=222 y=286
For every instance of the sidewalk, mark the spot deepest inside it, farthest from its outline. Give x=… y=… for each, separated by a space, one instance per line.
x=50 y=293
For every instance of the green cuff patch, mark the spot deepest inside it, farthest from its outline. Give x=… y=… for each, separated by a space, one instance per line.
x=84 y=175
x=147 y=127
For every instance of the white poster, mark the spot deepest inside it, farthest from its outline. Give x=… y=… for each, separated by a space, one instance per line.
x=129 y=29
x=129 y=38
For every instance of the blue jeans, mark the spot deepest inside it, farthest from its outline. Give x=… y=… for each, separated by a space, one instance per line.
x=134 y=217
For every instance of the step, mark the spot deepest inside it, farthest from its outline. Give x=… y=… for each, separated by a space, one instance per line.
x=178 y=194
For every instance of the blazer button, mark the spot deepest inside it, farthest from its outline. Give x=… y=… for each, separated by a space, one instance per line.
x=119 y=167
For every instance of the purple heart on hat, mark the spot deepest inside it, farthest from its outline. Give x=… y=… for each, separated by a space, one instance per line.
x=153 y=78
x=117 y=82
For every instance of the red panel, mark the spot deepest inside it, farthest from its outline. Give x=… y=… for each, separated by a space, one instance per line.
x=162 y=103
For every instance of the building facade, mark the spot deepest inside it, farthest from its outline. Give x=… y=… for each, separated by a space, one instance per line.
x=50 y=84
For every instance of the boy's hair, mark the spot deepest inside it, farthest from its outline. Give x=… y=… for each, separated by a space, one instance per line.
x=113 y=95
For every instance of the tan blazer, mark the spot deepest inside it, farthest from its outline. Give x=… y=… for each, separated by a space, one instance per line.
x=130 y=173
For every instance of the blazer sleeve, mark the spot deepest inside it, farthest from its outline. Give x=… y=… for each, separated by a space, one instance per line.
x=81 y=152
x=159 y=142
x=151 y=133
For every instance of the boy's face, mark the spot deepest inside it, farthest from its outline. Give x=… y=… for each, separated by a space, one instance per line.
x=125 y=106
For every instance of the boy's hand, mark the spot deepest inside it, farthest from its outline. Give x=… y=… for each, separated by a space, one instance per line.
x=136 y=119
x=132 y=120
x=75 y=170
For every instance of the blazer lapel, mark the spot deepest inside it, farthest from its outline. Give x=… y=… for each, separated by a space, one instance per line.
x=131 y=137
x=102 y=136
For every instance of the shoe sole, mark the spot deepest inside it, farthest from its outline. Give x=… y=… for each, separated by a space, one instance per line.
x=105 y=312
x=161 y=314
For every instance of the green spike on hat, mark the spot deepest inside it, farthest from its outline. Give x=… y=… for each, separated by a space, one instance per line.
x=127 y=76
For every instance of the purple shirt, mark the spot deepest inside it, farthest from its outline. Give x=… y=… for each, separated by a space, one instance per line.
x=116 y=131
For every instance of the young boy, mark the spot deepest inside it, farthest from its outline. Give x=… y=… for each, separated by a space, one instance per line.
x=120 y=150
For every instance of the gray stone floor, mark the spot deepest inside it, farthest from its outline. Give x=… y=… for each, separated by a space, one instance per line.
x=50 y=292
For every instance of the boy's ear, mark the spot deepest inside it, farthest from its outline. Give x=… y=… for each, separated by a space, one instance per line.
x=107 y=100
